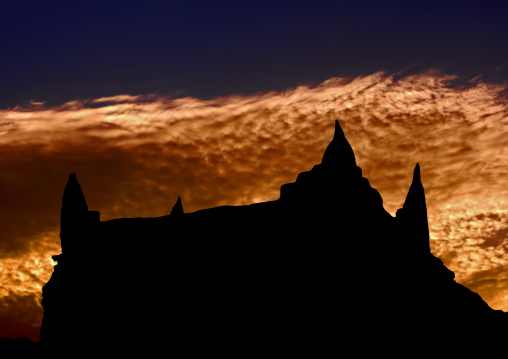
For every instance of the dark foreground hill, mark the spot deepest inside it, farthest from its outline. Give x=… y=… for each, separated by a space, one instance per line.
x=320 y=270
x=19 y=348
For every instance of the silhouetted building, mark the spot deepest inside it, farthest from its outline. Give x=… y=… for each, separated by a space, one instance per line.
x=319 y=270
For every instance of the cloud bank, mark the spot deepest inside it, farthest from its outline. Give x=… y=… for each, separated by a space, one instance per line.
x=135 y=154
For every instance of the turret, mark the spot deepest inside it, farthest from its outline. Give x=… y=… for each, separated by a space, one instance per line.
x=338 y=164
x=339 y=153
x=75 y=219
x=413 y=214
x=177 y=208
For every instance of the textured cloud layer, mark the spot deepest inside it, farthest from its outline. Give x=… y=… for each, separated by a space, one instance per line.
x=134 y=155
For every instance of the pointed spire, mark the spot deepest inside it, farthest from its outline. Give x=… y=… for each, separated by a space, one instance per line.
x=415 y=209
x=416 y=195
x=73 y=201
x=416 y=173
x=177 y=208
x=339 y=152
x=74 y=209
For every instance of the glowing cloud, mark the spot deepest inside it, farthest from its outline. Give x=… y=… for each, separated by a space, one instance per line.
x=135 y=154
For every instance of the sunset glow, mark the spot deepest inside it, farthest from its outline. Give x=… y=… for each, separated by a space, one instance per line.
x=134 y=155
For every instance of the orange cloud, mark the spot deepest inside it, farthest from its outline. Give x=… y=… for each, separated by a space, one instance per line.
x=135 y=154
x=20 y=315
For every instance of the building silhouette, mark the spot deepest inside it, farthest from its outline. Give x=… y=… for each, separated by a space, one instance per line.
x=322 y=269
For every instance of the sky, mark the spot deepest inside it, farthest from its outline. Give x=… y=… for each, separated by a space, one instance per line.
x=223 y=102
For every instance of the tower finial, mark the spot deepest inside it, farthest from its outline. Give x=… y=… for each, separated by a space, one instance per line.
x=177 y=208
x=416 y=173
x=339 y=152
x=74 y=209
x=414 y=211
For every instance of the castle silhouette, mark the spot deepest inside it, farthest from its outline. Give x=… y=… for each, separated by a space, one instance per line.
x=320 y=269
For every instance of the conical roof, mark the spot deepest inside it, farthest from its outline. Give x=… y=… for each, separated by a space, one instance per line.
x=177 y=208
x=415 y=206
x=73 y=201
x=415 y=198
x=74 y=212
x=339 y=152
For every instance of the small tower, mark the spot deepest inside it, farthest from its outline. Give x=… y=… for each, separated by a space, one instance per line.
x=75 y=219
x=177 y=208
x=339 y=153
x=413 y=214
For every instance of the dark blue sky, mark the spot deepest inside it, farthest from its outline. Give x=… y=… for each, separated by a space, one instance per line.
x=63 y=50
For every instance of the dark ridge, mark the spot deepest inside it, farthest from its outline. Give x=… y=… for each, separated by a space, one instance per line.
x=322 y=270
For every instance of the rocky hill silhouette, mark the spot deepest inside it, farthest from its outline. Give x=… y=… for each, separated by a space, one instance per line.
x=323 y=268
